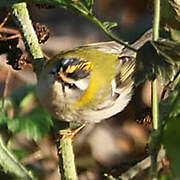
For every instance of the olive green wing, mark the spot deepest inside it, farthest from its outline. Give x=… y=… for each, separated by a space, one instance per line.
x=108 y=47
x=125 y=71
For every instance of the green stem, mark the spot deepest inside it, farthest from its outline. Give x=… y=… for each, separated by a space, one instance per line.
x=12 y=165
x=22 y=19
x=155 y=106
x=109 y=33
x=67 y=165
x=156 y=20
x=83 y=11
x=154 y=98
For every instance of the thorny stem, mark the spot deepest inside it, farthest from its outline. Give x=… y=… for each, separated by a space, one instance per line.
x=65 y=151
x=21 y=16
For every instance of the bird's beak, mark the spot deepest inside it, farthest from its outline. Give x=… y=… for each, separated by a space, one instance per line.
x=62 y=77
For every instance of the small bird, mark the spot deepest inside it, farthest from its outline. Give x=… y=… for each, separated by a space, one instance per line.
x=89 y=83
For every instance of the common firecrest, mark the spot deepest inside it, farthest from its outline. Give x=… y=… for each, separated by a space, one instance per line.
x=89 y=83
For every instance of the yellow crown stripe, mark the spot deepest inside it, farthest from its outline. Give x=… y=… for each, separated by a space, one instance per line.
x=71 y=69
x=85 y=66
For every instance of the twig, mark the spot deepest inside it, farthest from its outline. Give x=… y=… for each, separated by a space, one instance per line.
x=5 y=20
x=5 y=90
x=8 y=30
x=139 y=167
x=10 y=37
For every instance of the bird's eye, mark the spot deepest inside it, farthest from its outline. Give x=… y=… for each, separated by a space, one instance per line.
x=71 y=85
x=68 y=85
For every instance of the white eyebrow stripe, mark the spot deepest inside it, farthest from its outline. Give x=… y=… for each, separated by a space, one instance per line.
x=82 y=83
x=113 y=87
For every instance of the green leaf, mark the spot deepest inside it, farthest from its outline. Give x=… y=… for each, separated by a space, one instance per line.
x=169 y=49
x=10 y=164
x=149 y=64
x=152 y=62
x=35 y=125
x=76 y=7
x=175 y=34
x=175 y=111
x=5 y=104
x=26 y=100
x=19 y=153
x=17 y=95
x=176 y=83
x=3 y=117
x=170 y=107
x=14 y=125
x=170 y=139
x=170 y=13
x=88 y=4
x=170 y=113
x=167 y=177
x=109 y=25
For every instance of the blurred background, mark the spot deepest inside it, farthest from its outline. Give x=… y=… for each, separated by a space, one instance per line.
x=109 y=147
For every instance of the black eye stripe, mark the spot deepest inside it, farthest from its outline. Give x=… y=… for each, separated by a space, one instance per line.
x=78 y=74
x=69 y=61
